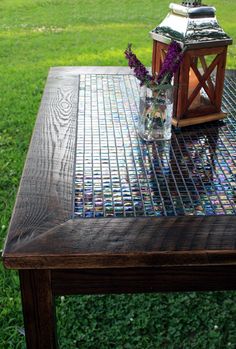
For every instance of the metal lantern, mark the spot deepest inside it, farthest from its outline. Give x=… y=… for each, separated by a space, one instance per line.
x=200 y=79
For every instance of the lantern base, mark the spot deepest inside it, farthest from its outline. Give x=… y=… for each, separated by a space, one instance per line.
x=198 y=119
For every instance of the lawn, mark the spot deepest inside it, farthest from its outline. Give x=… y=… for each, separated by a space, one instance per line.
x=37 y=34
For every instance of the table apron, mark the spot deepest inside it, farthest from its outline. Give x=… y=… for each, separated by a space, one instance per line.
x=138 y=280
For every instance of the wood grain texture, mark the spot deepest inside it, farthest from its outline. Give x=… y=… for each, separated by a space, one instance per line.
x=42 y=233
x=104 y=255
x=38 y=309
x=44 y=199
x=131 y=242
x=75 y=71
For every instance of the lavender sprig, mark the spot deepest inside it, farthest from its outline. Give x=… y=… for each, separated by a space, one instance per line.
x=140 y=71
x=171 y=63
x=169 y=67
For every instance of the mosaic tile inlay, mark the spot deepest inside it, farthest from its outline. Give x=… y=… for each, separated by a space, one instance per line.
x=117 y=174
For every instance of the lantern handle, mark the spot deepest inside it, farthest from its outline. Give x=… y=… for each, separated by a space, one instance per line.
x=192 y=3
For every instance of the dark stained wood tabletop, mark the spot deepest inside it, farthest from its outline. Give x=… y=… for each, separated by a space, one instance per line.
x=44 y=235
x=58 y=252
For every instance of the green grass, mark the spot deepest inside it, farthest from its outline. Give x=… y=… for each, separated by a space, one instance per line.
x=37 y=34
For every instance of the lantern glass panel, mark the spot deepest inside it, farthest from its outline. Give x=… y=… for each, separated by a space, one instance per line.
x=201 y=84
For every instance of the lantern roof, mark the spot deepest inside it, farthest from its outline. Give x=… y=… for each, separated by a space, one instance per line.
x=191 y=24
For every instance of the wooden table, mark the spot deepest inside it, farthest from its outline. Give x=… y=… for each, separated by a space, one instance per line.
x=59 y=247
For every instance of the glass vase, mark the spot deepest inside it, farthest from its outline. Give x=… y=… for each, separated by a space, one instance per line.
x=155 y=113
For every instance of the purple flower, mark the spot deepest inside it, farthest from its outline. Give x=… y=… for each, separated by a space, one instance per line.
x=171 y=62
x=140 y=71
x=169 y=67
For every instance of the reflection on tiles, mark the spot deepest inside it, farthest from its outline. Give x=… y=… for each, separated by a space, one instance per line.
x=117 y=174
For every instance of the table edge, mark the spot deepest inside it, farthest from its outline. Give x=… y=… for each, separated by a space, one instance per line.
x=13 y=257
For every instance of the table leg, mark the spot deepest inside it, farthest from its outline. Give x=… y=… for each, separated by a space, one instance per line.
x=38 y=309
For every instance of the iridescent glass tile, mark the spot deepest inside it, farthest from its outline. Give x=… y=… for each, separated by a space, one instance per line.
x=117 y=174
